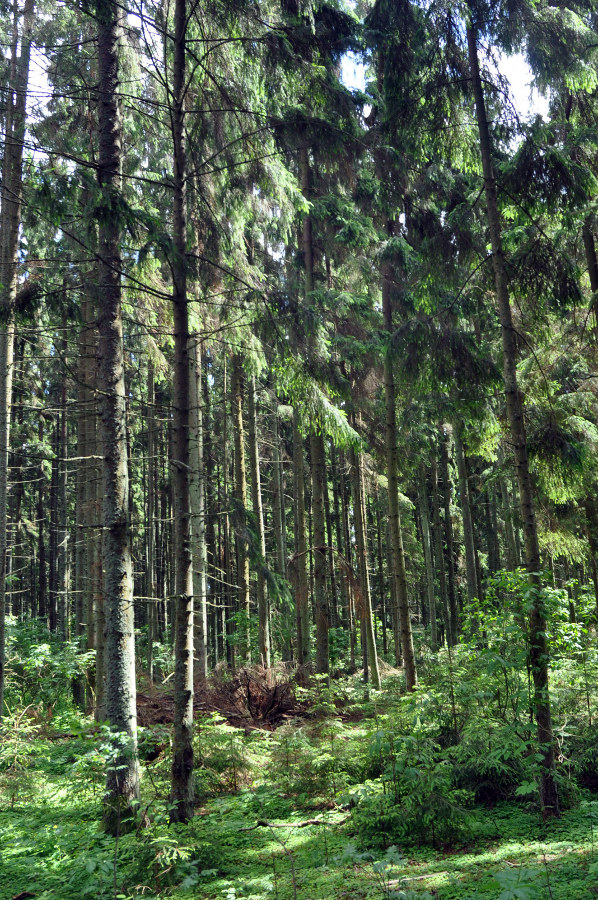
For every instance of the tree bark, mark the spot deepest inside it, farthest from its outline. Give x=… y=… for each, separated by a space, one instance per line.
x=150 y=525
x=424 y=513
x=539 y=657
x=242 y=543
x=258 y=512
x=392 y=471
x=11 y=192
x=122 y=782
x=198 y=507
x=450 y=631
x=465 y=502
x=300 y=561
x=363 y=566
x=317 y=450
x=182 y=794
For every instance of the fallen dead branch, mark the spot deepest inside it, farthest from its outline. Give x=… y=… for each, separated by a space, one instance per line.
x=262 y=823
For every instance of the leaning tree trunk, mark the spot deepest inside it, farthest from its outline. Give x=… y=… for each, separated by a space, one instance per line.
x=182 y=751
x=122 y=782
x=10 y=220
x=539 y=655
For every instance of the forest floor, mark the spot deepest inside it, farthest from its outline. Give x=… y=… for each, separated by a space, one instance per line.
x=52 y=844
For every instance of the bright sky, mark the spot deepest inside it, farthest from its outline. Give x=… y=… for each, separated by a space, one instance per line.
x=515 y=68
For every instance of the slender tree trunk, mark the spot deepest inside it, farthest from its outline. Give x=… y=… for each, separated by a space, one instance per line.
x=363 y=566
x=182 y=794
x=62 y=596
x=300 y=562
x=10 y=220
x=228 y=555
x=468 y=535
x=42 y=608
x=334 y=619
x=150 y=529
x=448 y=535
x=318 y=480
x=592 y=532
x=317 y=451
x=278 y=505
x=81 y=564
x=450 y=630
x=392 y=471
x=589 y=245
x=539 y=656
x=348 y=558
x=279 y=526
x=198 y=507
x=381 y=584
x=242 y=505
x=53 y=580
x=424 y=511
x=258 y=512
x=122 y=782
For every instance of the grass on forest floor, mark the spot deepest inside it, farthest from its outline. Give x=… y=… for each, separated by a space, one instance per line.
x=52 y=845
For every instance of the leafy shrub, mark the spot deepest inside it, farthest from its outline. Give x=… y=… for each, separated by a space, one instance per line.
x=40 y=666
x=491 y=760
x=316 y=762
x=221 y=756
x=415 y=800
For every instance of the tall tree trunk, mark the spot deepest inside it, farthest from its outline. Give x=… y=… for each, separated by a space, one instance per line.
x=53 y=579
x=229 y=603
x=381 y=584
x=318 y=480
x=122 y=782
x=363 y=566
x=334 y=618
x=258 y=512
x=465 y=501
x=450 y=630
x=241 y=502
x=589 y=245
x=507 y=513
x=182 y=794
x=81 y=563
x=348 y=558
x=317 y=450
x=62 y=507
x=10 y=219
x=42 y=608
x=300 y=562
x=392 y=471
x=150 y=525
x=448 y=534
x=539 y=655
x=424 y=513
x=198 y=507
x=592 y=533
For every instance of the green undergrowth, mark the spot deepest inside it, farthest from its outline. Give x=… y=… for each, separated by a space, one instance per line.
x=365 y=795
x=52 y=844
